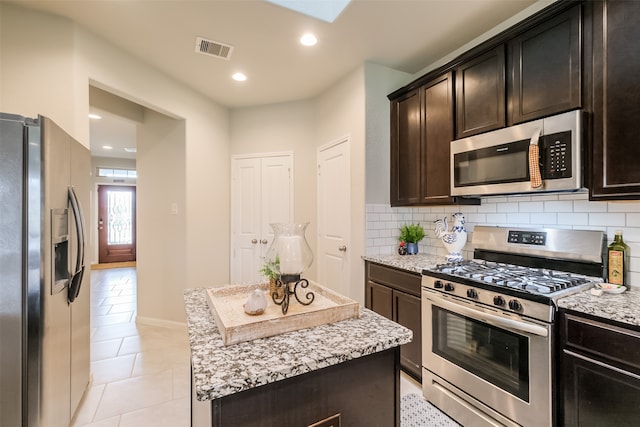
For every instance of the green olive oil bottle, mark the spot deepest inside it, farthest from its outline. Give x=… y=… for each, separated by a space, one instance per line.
x=618 y=254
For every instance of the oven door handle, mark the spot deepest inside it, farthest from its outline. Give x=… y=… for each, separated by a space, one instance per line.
x=513 y=325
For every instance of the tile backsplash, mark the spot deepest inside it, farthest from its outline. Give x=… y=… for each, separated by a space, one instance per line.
x=551 y=211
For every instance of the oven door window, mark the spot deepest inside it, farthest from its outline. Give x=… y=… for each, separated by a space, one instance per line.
x=498 y=356
x=492 y=165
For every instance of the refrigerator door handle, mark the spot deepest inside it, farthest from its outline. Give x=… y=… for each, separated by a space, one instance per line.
x=76 y=278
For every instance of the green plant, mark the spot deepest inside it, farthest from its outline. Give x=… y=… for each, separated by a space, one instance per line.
x=269 y=269
x=412 y=233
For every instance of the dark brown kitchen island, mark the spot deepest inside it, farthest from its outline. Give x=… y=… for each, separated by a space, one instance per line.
x=345 y=373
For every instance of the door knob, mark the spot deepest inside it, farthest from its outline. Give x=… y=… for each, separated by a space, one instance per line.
x=254 y=241
x=263 y=241
x=342 y=248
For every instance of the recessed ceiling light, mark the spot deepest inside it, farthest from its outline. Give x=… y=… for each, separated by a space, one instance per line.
x=308 y=39
x=107 y=147
x=94 y=116
x=239 y=77
x=130 y=149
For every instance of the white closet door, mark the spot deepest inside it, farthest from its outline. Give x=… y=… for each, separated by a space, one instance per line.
x=334 y=213
x=261 y=193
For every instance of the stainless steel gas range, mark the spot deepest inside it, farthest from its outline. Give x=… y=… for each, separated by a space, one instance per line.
x=488 y=323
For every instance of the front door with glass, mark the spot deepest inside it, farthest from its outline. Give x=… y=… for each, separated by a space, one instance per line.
x=116 y=223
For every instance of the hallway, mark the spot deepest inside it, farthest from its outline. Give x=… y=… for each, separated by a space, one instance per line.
x=140 y=372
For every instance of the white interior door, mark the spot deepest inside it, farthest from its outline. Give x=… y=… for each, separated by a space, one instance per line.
x=261 y=193
x=334 y=213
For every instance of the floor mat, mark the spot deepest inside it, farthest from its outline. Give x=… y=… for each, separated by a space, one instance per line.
x=415 y=411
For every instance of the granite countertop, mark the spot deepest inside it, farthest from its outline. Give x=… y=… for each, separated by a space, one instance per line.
x=220 y=370
x=413 y=263
x=624 y=307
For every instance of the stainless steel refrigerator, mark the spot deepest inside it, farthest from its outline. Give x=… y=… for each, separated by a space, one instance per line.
x=44 y=288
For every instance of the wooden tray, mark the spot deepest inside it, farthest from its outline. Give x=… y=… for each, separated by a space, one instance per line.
x=226 y=305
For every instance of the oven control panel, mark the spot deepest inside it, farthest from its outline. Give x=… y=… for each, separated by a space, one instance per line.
x=497 y=300
x=527 y=237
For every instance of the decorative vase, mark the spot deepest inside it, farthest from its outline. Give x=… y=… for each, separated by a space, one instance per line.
x=454 y=239
x=289 y=253
x=412 y=248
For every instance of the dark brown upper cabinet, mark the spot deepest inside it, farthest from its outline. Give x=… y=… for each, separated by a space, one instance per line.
x=437 y=132
x=545 y=68
x=613 y=29
x=421 y=133
x=480 y=93
x=406 y=149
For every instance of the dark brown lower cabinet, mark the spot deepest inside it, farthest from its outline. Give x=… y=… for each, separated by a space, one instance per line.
x=600 y=373
x=360 y=392
x=395 y=294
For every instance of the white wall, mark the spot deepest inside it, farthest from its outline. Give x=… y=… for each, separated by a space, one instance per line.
x=288 y=126
x=379 y=82
x=47 y=66
x=341 y=112
x=553 y=211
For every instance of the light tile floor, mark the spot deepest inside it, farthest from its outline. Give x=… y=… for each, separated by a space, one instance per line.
x=140 y=372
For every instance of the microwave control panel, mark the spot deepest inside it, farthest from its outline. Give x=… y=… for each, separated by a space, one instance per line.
x=556 y=155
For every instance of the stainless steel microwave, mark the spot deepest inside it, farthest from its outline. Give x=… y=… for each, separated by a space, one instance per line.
x=543 y=155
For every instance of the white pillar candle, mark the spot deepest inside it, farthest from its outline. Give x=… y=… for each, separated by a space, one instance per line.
x=290 y=253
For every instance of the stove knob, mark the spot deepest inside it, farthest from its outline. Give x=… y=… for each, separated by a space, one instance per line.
x=515 y=305
x=498 y=300
x=472 y=293
x=448 y=287
x=437 y=284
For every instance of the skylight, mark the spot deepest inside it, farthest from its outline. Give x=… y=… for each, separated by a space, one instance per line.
x=325 y=10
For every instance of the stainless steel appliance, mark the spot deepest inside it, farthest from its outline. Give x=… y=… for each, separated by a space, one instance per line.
x=44 y=291
x=488 y=323
x=539 y=156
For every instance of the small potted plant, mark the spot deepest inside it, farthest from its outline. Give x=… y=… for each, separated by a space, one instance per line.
x=270 y=271
x=411 y=234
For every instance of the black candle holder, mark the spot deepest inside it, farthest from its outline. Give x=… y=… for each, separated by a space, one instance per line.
x=287 y=285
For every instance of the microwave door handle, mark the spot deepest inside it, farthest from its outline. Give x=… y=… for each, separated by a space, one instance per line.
x=534 y=162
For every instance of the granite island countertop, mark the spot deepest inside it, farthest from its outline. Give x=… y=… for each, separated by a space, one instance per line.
x=412 y=263
x=624 y=307
x=220 y=370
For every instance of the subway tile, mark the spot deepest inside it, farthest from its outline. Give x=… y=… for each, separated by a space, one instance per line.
x=565 y=218
x=586 y=206
x=507 y=207
x=607 y=219
x=546 y=218
x=496 y=219
x=488 y=208
x=518 y=218
x=574 y=196
x=623 y=206
x=531 y=206
x=558 y=206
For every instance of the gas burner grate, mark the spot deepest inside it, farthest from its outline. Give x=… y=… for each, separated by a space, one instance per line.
x=534 y=280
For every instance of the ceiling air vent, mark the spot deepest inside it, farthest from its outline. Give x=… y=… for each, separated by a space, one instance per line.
x=217 y=49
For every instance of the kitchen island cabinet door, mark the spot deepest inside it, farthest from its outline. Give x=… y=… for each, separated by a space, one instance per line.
x=545 y=68
x=613 y=29
x=360 y=392
x=480 y=94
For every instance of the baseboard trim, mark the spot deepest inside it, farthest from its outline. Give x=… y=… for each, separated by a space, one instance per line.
x=113 y=265
x=152 y=321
